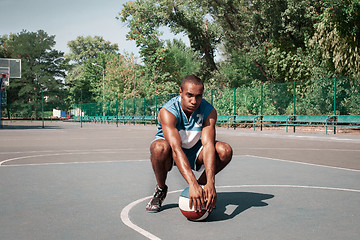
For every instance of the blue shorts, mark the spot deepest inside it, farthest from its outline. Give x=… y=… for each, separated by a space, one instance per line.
x=192 y=155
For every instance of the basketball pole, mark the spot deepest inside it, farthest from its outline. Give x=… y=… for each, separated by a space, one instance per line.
x=1 y=81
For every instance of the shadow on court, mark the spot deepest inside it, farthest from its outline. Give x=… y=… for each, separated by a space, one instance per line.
x=231 y=204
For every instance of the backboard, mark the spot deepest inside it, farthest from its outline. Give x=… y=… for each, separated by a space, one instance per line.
x=10 y=67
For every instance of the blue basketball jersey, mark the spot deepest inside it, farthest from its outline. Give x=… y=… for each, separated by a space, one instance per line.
x=189 y=129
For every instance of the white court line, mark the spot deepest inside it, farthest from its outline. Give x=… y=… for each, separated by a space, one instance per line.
x=124 y=215
x=70 y=163
x=56 y=154
x=303 y=163
x=306 y=149
x=74 y=150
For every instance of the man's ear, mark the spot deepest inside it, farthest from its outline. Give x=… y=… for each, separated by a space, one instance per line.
x=180 y=90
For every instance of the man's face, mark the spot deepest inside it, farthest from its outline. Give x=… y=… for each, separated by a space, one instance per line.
x=191 y=96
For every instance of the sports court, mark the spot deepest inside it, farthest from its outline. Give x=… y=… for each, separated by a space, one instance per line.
x=67 y=182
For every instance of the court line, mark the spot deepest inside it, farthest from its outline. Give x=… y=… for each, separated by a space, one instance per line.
x=57 y=154
x=124 y=215
x=305 y=149
x=303 y=136
x=73 y=150
x=69 y=163
x=303 y=163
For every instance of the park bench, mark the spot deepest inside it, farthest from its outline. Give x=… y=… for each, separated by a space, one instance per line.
x=244 y=120
x=276 y=120
x=312 y=120
x=143 y=120
x=137 y=119
x=86 y=119
x=96 y=119
x=223 y=120
x=110 y=119
x=125 y=119
x=346 y=121
x=150 y=120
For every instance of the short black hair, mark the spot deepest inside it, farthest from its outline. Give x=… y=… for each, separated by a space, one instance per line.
x=193 y=79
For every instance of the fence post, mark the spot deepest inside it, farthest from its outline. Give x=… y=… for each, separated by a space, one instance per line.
x=117 y=109
x=294 y=101
x=294 y=98
x=42 y=107
x=144 y=110
x=234 y=100
x=334 y=102
x=124 y=112
x=134 y=109
x=335 y=96
x=261 y=105
x=0 y=100
x=81 y=109
x=144 y=106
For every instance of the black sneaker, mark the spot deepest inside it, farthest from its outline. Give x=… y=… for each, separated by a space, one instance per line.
x=155 y=203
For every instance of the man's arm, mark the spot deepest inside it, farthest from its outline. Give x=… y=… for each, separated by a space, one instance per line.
x=209 y=158
x=172 y=136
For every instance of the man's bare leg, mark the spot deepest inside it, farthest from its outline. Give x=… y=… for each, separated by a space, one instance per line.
x=161 y=162
x=223 y=157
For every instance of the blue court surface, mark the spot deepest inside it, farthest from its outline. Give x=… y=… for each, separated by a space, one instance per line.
x=63 y=182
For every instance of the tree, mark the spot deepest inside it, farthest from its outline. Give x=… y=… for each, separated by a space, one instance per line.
x=144 y=17
x=259 y=27
x=123 y=77
x=180 y=61
x=144 y=20
x=87 y=48
x=43 y=68
x=85 y=77
x=337 y=36
x=192 y=18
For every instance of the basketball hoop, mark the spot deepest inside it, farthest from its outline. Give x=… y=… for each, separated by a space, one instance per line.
x=9 y=68
x=4 y=79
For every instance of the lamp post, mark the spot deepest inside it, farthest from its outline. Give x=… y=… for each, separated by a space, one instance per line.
x=103 y=84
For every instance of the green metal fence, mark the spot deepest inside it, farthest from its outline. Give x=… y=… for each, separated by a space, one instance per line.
x=335 y=96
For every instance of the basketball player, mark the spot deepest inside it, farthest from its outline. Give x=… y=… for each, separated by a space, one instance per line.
x=186 y=138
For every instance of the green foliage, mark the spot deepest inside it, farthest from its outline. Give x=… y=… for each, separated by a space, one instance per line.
x=143 y=21
x=350 y=100
x=337 y=37
x=239 y=69
x=144 y=17
x=43 y=68
x=268 y=43
x=180 y=61
x=289 y=66
x=87 y=48
x=90 y=56
x=123 y=77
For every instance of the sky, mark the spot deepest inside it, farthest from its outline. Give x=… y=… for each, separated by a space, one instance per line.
x=68 y=19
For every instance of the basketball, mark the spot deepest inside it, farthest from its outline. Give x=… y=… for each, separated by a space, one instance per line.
x=190 y=213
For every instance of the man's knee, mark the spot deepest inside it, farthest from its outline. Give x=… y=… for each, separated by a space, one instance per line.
x=160 y=149
x=224 y=151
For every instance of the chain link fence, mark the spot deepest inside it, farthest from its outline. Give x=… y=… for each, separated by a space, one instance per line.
x=336 y=96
